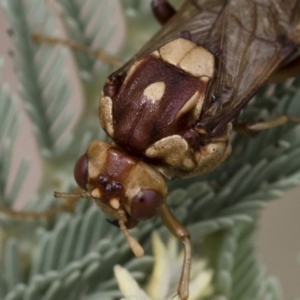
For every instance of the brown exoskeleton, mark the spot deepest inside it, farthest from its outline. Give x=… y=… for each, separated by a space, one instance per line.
x=169 y=110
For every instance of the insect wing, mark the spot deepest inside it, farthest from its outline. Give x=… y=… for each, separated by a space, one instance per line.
x=250 y=39
x=194 y=16
x=253 y=43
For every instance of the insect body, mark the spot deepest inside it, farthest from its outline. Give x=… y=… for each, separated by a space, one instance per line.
x=169 y=88
x=169 y=110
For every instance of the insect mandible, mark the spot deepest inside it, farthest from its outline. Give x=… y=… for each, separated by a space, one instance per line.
x=170 y=110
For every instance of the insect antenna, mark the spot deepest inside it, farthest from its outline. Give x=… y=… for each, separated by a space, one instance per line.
x=98 y=53
x=135 y=246
x=69 y=205
x=73 y=195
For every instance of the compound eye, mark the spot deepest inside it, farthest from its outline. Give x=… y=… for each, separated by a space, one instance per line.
x=145 y=205
x=81 y=171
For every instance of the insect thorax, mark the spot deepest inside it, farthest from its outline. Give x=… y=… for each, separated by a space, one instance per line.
x=152 y=110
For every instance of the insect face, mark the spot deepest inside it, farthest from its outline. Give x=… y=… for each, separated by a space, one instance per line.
x=118 y=181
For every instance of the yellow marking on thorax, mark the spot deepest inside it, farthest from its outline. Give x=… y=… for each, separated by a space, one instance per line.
x=106 y=116
x=176 y=50
x=189 y=105
x=199 y=62
x=155 y=91
x=189 y=56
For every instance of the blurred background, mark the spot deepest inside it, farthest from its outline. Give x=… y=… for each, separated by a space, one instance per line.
x=278 y=238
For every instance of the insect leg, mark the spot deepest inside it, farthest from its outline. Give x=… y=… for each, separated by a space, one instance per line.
x=162 y=10
x=179 y=231
x=292 y=69
x=98 y=53
x=246 y=127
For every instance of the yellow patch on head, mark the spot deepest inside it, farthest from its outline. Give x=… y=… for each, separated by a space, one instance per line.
x=114 y=202
x=96 y=193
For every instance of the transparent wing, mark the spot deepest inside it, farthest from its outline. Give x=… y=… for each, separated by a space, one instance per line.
x=250 y=39
x=194 y=16
x=254 y=39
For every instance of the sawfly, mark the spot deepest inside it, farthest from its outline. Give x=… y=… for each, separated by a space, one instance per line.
x=171 y=109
